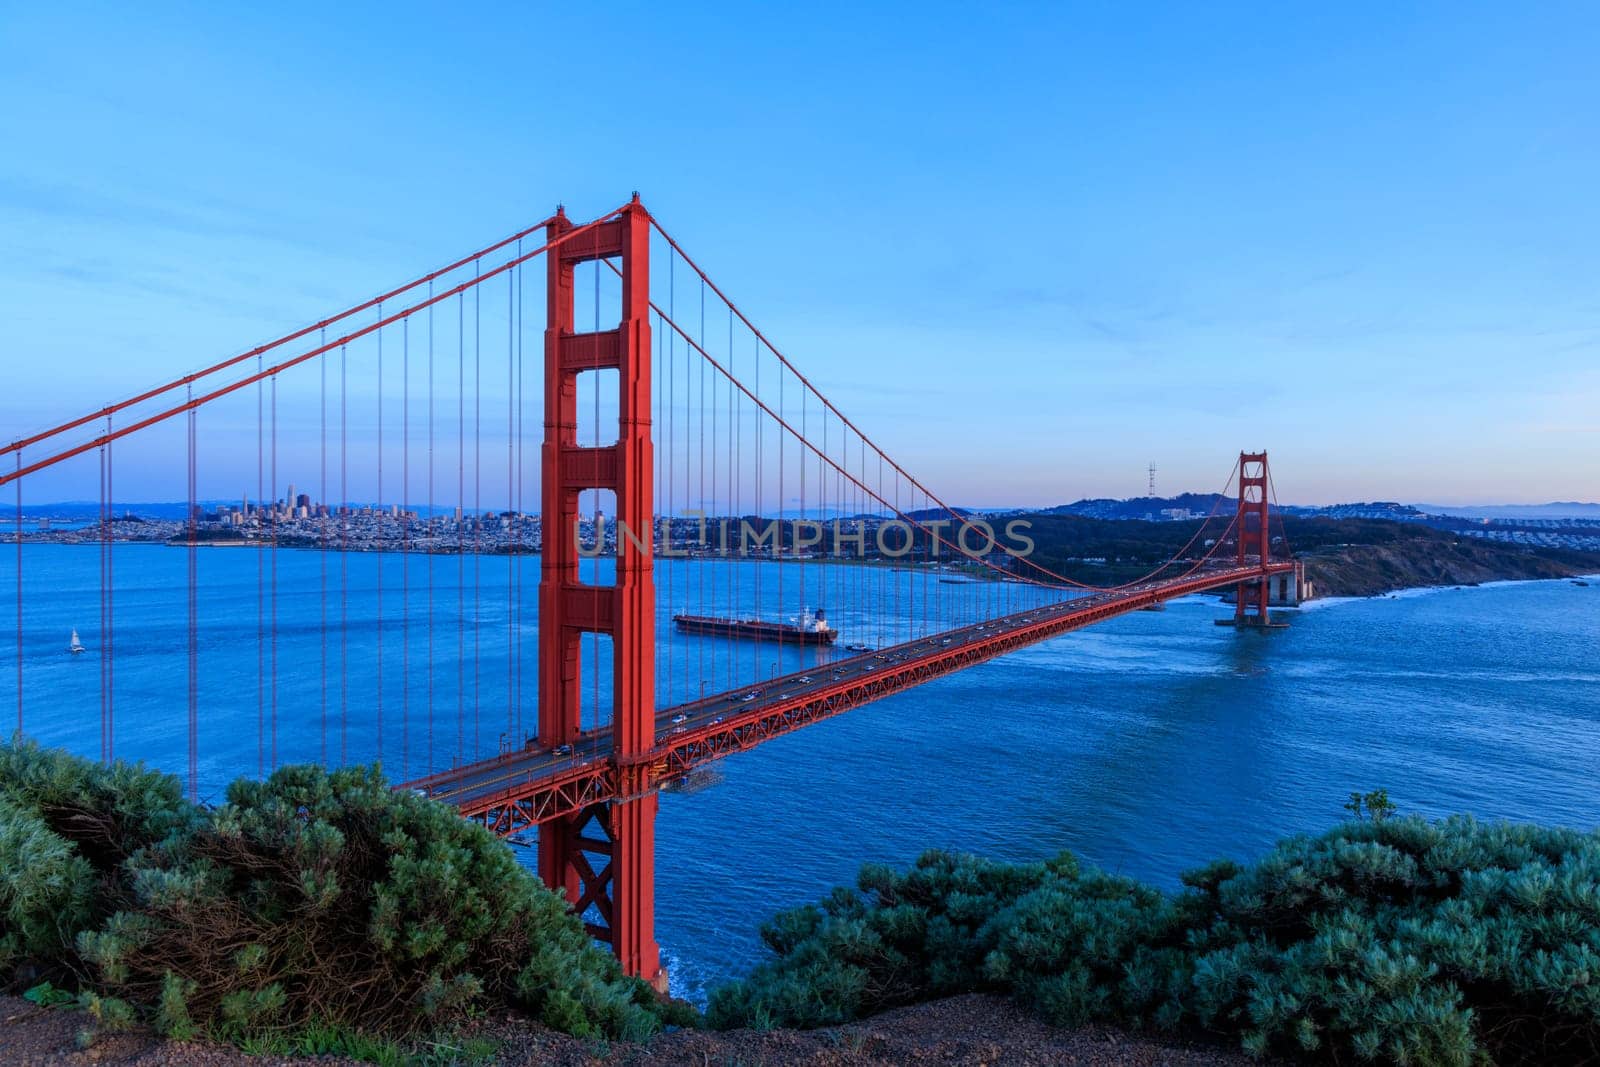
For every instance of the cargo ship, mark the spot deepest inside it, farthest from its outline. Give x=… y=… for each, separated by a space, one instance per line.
x=811 y=628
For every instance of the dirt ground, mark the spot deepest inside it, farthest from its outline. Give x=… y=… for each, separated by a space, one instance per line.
x=971 y=1031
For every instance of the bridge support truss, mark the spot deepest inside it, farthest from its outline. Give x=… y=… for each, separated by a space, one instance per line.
x=604 y=855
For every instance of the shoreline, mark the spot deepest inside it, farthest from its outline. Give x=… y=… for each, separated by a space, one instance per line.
x=971 y=573
x=1412 y=592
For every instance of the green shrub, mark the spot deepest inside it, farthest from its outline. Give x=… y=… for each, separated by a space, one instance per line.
x=330 y=897
x=66 y=827
x=47 y=889
x=48 y=996
x=925 y=933
x=311 y=900
x=1391 y=940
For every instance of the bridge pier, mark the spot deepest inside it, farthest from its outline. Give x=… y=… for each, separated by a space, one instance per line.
x=603 y=857
x=632 y=828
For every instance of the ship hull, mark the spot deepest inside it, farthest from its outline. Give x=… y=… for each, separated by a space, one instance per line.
x=753 y=630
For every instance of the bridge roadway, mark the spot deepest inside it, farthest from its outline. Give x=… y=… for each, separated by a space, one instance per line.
x=517 y=790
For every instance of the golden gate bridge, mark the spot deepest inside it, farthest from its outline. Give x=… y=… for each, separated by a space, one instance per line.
x=671 y=403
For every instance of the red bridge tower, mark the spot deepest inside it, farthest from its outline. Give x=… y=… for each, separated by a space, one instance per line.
x=1254 y=538
x=604 y=855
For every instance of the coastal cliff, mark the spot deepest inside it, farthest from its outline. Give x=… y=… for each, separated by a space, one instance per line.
x=1343 y=556
x=1374 y=569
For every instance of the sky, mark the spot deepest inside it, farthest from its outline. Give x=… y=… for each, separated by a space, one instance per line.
x=1030 y=248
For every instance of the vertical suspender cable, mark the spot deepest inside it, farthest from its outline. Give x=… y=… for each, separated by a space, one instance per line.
x=405 y=547
x=693 y=575
x=322 y=542
x=109 y=640
x=599 y=537
x=670 y=437
x=887 y=570
x=800 y=463
x=19 y=593
x=808 y=567
x=760 y=500
x=461 y=536
x=430 y=529
x=261 y=577
x=104 y=542
x=511 y=530
x=383 y=522
x=841 y=502
x=700 y=420
x=272 y=591
x=930 y=589
x=783 y=503
x=344 y=574
x=194 y=634
x=894 y=632
x=735 y=487
x=520 y=521
x=477 y=506
x=658 y=429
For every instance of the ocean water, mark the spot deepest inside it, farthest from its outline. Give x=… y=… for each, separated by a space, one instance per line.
x=1148 y=744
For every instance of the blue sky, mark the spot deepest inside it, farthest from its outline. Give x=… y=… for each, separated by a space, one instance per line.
x=1030 y=248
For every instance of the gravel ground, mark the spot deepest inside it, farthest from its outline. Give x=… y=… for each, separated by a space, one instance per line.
x=970 y=1031
x=31 y=1036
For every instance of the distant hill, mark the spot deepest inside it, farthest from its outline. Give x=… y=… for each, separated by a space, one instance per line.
x=1348 y=555
x=930 y=514
x=1199 y=505
x=1561 y=509
x=1147 y=508
x=1375 y=509
x=87 y=510
x=1157 y=508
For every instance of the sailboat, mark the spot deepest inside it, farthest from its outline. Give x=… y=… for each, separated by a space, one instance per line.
x=76 y=646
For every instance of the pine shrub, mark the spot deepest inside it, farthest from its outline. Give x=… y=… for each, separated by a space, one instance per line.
x=1393 y=940
x=66 y=827
x=311 y=899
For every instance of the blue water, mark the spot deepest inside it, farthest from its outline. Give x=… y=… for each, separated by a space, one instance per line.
x=1148 y=744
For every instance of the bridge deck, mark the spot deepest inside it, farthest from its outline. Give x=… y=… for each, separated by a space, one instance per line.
x=521 y=789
